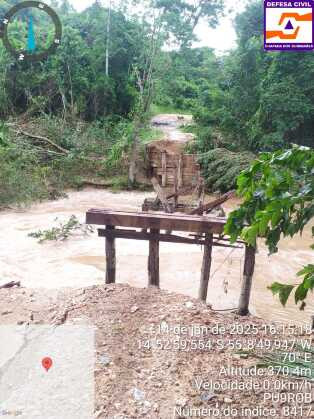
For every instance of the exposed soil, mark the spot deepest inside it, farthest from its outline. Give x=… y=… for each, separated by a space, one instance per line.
x=170 y=125
x=133 y=381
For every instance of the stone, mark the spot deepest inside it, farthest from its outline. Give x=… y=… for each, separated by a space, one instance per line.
x=181 y=402
x=206 y=397
x=228 y=400
x=104 y=359
x=138 y=394
x=189 y=304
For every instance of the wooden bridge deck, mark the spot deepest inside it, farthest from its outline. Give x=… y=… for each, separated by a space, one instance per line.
x=173 y=222
x=204 y=228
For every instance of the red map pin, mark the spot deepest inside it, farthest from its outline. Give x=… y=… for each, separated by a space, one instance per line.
x=47 y=363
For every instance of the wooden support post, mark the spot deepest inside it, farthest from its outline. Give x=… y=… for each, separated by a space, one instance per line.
x=111 y=258
x=180 y=172
x=249 y=265
x=153 y=260
x=176 y=189
x=207 y=261
x=164 y=169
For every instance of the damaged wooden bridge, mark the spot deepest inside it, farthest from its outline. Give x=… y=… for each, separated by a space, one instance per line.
x=203 y=230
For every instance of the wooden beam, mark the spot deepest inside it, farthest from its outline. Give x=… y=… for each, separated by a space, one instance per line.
x=212 y=205
x=174 y=222
x=110 y=256
x=146 y=236
x=180 y=172
x=207 y=261
x=153 y=260
x=249 y=265
x=167 y=238
x=164 y=168
x=176 y=189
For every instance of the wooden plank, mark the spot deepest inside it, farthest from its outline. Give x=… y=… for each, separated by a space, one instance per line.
x=153 y=259
x=164 y=169
x=175 y=222
x=140 y=235
x=207 y=261
x=249 y=265
x=110 y=257
x=212 y=205
x=180 y=172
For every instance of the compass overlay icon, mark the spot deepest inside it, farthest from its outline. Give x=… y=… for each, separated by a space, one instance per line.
x=31 y=31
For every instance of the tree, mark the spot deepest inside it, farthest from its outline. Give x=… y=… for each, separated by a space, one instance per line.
x=166 y=20
x=278 y=192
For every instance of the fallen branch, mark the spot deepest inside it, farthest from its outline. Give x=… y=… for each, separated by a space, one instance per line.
x=45 y=139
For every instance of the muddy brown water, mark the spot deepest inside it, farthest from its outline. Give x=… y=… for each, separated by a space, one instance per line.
x=80 y=261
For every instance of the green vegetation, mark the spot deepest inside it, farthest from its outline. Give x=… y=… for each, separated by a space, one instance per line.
x=247 y=100
x=82 y=115
x=63 y=231
x=278 y=193
x=221 y=168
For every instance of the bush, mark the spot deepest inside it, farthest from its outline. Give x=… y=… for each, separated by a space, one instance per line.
x=220 y=168
x=22 y=180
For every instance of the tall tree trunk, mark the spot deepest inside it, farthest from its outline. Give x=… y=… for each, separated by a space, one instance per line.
x=108 y=39
x=134 y=154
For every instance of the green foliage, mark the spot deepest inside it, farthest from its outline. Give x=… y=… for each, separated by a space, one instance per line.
x=190 y=77
x=73 y=81
x=63 y=231
x=278 y=192
x=257 y=100
x=21 y=178
x=221 y=167
x=31 y=170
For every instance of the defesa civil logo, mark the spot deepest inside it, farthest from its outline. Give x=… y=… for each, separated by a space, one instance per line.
x=289 y=25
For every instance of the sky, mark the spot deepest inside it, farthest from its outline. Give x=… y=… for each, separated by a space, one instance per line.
x=223 y=38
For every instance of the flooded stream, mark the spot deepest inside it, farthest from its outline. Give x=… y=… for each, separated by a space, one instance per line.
x=80 y=261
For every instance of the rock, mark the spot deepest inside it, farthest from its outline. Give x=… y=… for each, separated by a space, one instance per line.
x=228 y=400
x=147 y=405
x=134 y=309
x=104 y=359
x=138 y=394
x=189 y=304
x=206 y=397
x=181 y=402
